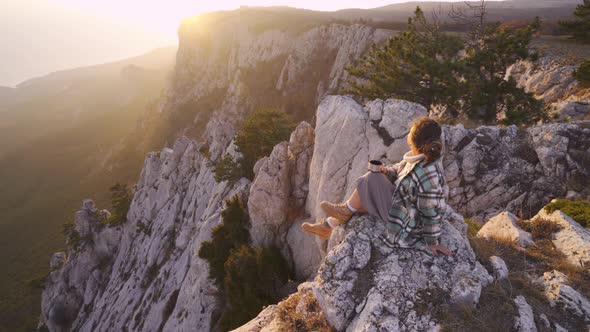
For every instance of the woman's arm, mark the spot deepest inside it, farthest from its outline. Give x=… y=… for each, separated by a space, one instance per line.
x=391 y=171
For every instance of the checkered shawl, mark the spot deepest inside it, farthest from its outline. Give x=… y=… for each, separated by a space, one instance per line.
x=418 y=206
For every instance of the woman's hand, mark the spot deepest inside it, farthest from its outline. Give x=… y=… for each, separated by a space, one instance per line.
x=439 y=248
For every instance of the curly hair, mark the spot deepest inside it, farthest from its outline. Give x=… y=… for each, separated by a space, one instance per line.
x=425 y=136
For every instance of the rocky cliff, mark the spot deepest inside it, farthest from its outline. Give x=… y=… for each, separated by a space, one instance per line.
x=231 y=63
x=151 y=278
x=145 y=275
x=550 y=79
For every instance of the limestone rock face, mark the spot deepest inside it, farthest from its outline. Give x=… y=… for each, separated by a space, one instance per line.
x=491 y=169
x=488 y=169
x=572 y=239
x=237 y=66
x=366 y=285
x=503 y=227
x=269 y=198
x=348 y=136
x=550 y=79
x=77 y=276
x=145 y=274
x=557 y=290
x=276 y=201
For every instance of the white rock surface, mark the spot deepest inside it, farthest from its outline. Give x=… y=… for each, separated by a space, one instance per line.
x=550 y=79
x=269 y=198
x=572 y=239
x=558 y=291
x=503 y=227
x=276 y=201
x=500 y=268
x=146 y=275
x=525 y=322
x=365 y=285
x=346 y=139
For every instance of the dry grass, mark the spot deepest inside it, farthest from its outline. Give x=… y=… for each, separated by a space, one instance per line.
x=496 y=310
x=311 y=318
x=540 y=229
x=525 y=265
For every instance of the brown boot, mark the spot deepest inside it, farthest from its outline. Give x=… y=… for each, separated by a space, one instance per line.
x=338 y=211
x=321 y=229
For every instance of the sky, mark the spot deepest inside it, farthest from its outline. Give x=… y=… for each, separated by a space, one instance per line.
x=41 y=36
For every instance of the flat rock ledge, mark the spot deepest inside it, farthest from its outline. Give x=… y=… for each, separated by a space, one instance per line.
x=364 y=284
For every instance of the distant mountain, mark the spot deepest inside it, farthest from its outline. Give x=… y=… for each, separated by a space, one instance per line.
x=55 y=131
x=44 y=105
x=497 y=10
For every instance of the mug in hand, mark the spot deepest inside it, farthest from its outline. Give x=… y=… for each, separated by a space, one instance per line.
x=375 y=166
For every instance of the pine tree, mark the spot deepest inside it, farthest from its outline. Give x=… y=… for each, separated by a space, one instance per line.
x=582 y=74
x=579 y=28
x=417 y=64
x=258 y=135
x=491 y=97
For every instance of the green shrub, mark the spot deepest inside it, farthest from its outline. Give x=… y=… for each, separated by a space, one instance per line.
x=258 y=135
x=253 y=280
x=121 y=197
x=231 y=234
x=73 y=238
x=249 y=278
x=582 y=74
x=227 y=169
x=472 y=227
x=577 y=210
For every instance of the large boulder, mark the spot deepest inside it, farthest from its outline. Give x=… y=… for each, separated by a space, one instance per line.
x=558 y=291
x=571 y=238
x=276 y=199
x=364 y=284
x=503 y=227
x=348 y=136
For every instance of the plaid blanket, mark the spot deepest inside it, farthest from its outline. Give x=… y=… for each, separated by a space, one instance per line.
x=418 y=205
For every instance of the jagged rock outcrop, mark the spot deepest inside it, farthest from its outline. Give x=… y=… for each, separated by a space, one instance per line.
x=550 y=79
x=571 y=239
x=489 y=169
x=276 y=199
x=156 y=279
x=503 y=227
x=525 y=321
x=492 y=169
x=556 y=287
x=348 y=136
x=364 y=284
x=78 y=275
x=151 y=277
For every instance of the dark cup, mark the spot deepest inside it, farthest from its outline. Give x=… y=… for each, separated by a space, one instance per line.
x=375 y=166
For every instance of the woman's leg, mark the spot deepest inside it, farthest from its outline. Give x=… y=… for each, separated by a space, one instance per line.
x=354 y=202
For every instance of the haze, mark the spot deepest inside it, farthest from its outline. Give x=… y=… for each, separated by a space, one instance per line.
x=42 y=36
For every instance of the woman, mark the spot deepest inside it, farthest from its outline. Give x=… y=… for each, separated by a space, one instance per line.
x=408 y=196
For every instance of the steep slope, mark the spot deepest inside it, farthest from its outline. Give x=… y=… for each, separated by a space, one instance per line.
x=54 y=133
x=231 y=63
